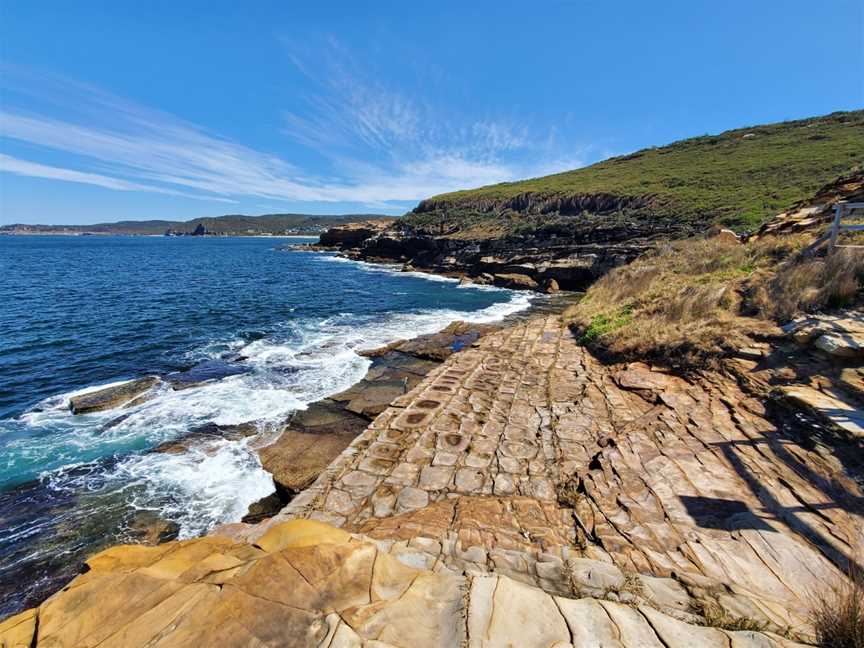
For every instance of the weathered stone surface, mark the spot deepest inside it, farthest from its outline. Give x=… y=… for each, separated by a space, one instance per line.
x=841 y=346
x=19 y=630
x=525 y=445
x=839 y=335
x=111 y=397
x=308 y=584
x=634 y=500
x=297 y=458
x=831 y=406
x=504 y=612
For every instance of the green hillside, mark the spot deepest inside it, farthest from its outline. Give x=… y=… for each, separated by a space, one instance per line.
x=738 y=178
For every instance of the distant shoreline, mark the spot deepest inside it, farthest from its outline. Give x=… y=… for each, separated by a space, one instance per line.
x=208 y=236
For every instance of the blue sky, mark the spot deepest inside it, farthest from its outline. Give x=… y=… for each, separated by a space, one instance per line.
x=133 y=110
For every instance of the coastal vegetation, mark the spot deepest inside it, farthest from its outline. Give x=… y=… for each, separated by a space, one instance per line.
x=691 y=301
x=739 y=179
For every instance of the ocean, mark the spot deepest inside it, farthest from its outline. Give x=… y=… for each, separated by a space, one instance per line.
x=276 y=328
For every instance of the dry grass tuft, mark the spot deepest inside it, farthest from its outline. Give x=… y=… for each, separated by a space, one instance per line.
x=714 y=616
x=811 y=284
x=837 y=615
x=691 y=301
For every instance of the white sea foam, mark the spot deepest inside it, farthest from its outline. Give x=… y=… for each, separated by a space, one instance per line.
x=299 y=363
x=207 y=485
x=390 y=268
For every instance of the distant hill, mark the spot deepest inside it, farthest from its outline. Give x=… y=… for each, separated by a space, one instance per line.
x=739 y=179
x=229 y=225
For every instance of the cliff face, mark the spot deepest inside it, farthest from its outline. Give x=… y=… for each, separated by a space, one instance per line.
x=573 y=255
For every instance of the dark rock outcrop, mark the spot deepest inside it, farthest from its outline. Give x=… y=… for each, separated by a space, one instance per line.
x=111 y=397
x=351 y=235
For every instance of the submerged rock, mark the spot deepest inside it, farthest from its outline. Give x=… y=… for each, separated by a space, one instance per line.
x=208 y=432
x=204 y=372
x=111 y=397
x=148 y=528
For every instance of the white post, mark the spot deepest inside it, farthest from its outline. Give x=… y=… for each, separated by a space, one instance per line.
x=839 y=208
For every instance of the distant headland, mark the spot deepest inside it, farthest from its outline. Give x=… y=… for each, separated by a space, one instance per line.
x=228 y=225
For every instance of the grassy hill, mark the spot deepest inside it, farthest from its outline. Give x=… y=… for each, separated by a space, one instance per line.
x=234 y=224
x=738 y=179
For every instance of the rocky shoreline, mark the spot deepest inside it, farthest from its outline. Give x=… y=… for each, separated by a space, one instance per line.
x=542 y=262
x=523 y=493
x=497 y=483
x=315 y=436
x=307 y=442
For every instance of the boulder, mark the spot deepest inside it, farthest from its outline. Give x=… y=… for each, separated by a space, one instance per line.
x=111 y=397
x=266 y=507
x=841 y=345
x=550 y=286
x=515 y=281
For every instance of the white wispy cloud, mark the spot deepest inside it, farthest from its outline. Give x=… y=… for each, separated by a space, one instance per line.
x=385 y=148
x=17 y=166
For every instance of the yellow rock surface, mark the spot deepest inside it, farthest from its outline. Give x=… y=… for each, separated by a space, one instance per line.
x=300 y=533
x=17 y=631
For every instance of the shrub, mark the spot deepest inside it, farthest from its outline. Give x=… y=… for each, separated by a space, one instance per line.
x=837 y=615
x=689 y=302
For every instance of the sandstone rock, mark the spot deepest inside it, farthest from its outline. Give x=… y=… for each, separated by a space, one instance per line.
x=550 y=286
x=831 y=407
x=308 y=584
x=350 y=235
x=111 y=397
x=503 y=612
x=516 y=281
x=300 y=533
x=19 y=630
x=313 y=438
x=631 y=469
x=410 y=499
x=841 y=345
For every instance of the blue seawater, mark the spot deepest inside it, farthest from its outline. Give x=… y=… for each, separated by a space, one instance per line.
x=77 y=313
